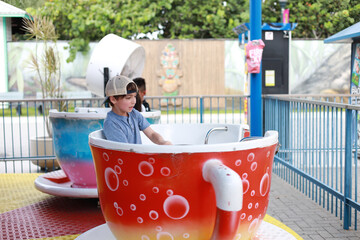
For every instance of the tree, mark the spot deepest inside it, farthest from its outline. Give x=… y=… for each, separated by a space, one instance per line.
x=317 y=19
x=90 y=20
x=23 y=4
x=82 y=21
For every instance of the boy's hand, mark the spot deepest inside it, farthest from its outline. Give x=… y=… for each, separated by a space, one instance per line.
x=167 y=143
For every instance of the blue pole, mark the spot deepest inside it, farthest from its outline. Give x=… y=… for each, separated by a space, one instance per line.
x=201 y=110
x=256 y=118
x=347 y=177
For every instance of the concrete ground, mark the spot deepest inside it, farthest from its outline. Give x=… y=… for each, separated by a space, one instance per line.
x=305 y=216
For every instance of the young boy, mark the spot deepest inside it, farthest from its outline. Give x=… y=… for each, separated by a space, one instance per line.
x=140 y=82
x=124 y=123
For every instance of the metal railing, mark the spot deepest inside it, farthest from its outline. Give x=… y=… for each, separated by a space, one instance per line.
x=202 y=109
x=335 y=98
x=24 y=146
x=318 y=136
x=319 y=150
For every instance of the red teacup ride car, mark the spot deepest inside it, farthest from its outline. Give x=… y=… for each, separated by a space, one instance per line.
x=210 y=184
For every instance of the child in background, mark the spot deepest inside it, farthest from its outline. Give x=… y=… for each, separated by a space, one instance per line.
x=140 y=82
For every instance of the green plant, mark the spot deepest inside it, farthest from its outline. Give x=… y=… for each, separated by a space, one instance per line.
x=45 y=61
x=90 y=20
x=23 y=4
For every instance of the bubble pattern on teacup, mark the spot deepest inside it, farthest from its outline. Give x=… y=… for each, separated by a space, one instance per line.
x=111 y=178
x=153 y=215
x=246 y=183
x=265 y=183
x=251 y=157
x=253 y=225
x=249 y=192
x=165 y=171
x=155 y=189
x=146 y=169
x=176 y=206
x=164 y=235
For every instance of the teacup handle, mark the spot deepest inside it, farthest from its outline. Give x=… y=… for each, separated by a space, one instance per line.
x=228 y=189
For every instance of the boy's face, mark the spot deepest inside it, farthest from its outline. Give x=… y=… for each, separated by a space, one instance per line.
x=124 y=105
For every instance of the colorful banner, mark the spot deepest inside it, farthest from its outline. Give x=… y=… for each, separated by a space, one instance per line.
x=355 y=75
x=286 y=16
x=254 y=50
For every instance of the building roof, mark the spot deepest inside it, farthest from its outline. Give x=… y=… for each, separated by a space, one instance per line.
x=7 y=10
x=245 y=27
x=348 y=35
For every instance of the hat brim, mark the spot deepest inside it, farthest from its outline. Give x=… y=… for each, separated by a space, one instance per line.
x=107 y=99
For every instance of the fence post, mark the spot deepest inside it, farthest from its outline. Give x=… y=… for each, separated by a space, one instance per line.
x=201 y=109
x=256 y=114
x=347 y=176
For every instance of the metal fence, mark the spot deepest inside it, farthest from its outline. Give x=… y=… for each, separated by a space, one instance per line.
x=25 y=147
x=318 y=136
x=319 y=150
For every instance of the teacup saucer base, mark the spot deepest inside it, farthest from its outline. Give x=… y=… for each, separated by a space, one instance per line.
x=51 y=184
x=266 y=231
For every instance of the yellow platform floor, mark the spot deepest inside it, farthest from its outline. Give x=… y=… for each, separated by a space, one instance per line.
x=26 y=213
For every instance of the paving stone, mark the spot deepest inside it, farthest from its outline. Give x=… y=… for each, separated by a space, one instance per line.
x=325 y=234
x=315 y=237
x=305 y=216
x=331 y=230
x=332 y=238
